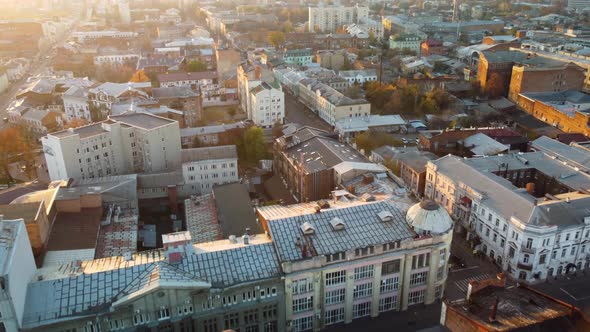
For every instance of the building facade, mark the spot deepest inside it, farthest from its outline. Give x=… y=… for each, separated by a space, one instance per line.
x=330 y=18
x=207 y=167
x=336 y=275
x=405 y=41
x=123 y=144
x=301 y=57
x=267 y=104
x=524 y=231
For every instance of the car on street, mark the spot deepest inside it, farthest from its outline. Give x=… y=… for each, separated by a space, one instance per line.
x=404 y=140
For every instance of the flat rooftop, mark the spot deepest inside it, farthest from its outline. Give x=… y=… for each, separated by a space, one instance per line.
x=209 y=153
x=234 y=210
x=518 y=308
x=75 y=230
x=142 y=120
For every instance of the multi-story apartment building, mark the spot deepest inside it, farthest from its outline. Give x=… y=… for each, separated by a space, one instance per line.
x=76 y=104
x=102 y=98
x=346 y=261
x=122 y=144
x=330 y=18
x=301 y=57
x=405 y=41
x=268 y=105
x=210 y=166
x=181 y=98
x=330 y=104
x=206 y=81
x=526 y=211
x=556 y=78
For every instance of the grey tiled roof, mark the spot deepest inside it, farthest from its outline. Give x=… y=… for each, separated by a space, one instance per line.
x=86 y=293
x=362 y=228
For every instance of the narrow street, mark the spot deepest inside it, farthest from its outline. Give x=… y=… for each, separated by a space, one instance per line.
x=296 y=112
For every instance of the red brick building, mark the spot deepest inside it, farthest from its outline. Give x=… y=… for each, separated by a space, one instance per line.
x=431 y=46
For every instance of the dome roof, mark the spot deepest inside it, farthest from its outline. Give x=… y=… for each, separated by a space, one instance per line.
x=428 y=216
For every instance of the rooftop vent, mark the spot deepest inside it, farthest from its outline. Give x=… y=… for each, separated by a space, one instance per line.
x=307 y=228
x=337 y=224
x=232 y=239
x=385 y=216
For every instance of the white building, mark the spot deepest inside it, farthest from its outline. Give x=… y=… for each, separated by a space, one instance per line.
x=531 y=233
x=267 y=104
x=76 y=104
x=105 y=95
x=124 y=11
x=366 y=30
x=209 y=166
x=330 y=18
x=359 y=76
x=353 y=260
x=116 y=59
x=18 y=267
x=405 y=42
x=82 y=36
x=122 y=144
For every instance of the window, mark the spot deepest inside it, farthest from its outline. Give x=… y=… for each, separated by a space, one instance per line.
x=363 y=290
x=303 y=304
x=335 y=278
x=437 y=291
x=577 y=235
x=573 y=252
x=418 y=278
x=389 y=284
x=563 y=252
x=335 y=257
x=420 y=261
x=302 y=286
x=416 y=297
x=363 y=272
x=529 y=243
x=303 y=324
x=231 y=321
x=440 y=273
x=511 y=252
x=567 y=237
x=361 y=310
x=553 y=254
x=334 y=316
x=114 y=324
x=502 y=243
x=542 y=258
x=390 y=267
x=359 y=252
x=140 y=318
x=526 y=258
x=164 y=313
x=387 y=303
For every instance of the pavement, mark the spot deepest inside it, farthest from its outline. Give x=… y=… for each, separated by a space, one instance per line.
x=465 y=268
x=417 y=317
x=10 y=194
x=296 y=112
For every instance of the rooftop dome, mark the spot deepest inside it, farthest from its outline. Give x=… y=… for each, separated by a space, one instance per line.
x=427 y=216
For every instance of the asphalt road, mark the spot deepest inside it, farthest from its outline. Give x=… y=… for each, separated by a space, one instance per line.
x=10 y=194
x=296 y=112
x=573 y=289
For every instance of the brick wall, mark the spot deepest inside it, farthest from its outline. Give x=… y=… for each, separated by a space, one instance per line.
x=548 y=114
x=548 y=80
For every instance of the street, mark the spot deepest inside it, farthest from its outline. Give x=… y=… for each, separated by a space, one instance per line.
x=573 y=288
x=296 y=112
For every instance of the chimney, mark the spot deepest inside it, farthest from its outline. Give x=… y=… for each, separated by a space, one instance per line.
x=304 y=250
x=530 y=188
x=257 y=72
x=176 y=245
x=494 y=311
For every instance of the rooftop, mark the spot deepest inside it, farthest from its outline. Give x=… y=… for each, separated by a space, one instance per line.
x=364 y=123
x=201 y=218
x=363 y=227
x=142 y=120
x=187 y=76
x=483 y=145
x=26 y=211
x=209 y=153
x=106 y=281
x=234 y=210
x=174 y=92
x=568 y=153
x=9 y=230
x=568 y=102
x=518 y=308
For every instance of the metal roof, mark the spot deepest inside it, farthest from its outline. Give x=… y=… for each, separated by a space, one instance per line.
x=363 y=227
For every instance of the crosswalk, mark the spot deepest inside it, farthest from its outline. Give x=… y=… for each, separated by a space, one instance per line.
x=463 y=284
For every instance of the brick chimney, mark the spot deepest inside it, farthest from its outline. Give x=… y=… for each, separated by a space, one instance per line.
x=492 y=317
x=257 y=73
x=177 y=245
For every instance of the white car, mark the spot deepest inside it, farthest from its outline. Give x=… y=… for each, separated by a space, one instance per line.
x=405 y=141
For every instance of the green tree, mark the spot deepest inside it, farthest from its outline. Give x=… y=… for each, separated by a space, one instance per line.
x=276 y=38
x=254 y=147
x=346 y=64
x=196 y=66
x=370 y=140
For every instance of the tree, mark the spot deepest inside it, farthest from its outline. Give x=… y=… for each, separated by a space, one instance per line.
x=370 y=140
x=196 y=66
x=139 y=76
x=16 y=144
x=354 y=91
x=75 y=123
x=276 y=38
x=346 y=64
x=277 y=129
x=495 y=86
x=378 y=94
x=254 y=147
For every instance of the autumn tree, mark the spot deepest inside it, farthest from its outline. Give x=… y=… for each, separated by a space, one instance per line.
x=277 y=129
x=139 y=76
x=75 y=123
x=16 y=144
x=370 y=140
x=378 y=94
x=495 y=86
x=276 y=38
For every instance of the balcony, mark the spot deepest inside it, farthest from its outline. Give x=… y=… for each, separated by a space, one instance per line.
x=525 y=266
x=528 y=250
